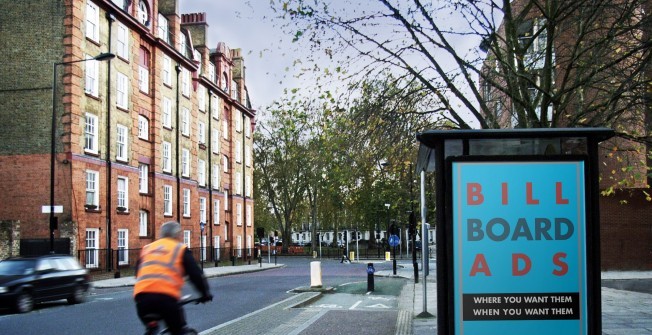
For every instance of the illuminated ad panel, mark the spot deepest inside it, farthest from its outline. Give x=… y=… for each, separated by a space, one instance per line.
x=519 y=247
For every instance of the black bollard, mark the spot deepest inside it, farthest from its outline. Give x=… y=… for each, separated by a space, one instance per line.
x=370 y=277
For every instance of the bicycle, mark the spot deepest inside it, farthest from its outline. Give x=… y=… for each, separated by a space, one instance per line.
x=152 y=320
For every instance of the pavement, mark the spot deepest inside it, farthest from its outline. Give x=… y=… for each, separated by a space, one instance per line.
x=626 y=307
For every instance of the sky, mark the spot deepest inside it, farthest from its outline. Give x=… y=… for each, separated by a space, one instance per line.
x=266 y=50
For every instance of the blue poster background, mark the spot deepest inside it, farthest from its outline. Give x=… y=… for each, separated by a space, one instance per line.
x=540 y=279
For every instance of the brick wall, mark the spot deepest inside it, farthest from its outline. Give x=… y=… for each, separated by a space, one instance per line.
x=9 y=239
x=626 y=231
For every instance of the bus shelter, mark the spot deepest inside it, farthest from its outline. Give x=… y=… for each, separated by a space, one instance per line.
x=517 y=229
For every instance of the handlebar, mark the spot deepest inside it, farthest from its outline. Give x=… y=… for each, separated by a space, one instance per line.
x=187 y=299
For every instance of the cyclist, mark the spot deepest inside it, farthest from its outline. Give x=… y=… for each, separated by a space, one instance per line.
x=160 y=276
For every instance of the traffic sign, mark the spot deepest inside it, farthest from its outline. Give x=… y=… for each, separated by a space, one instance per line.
x=394 y=240
x=47 y=209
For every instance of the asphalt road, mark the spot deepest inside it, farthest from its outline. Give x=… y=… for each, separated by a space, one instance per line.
x=111 y=311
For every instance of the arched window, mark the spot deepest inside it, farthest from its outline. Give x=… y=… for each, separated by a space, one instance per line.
x=225 y=82
x=142 y=13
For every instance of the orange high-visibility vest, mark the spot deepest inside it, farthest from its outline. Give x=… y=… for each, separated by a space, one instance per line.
x=161 y=268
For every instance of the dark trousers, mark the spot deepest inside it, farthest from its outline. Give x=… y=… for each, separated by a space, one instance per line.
x=163 y=305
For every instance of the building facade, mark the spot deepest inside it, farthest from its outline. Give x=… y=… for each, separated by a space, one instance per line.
x=163 y=131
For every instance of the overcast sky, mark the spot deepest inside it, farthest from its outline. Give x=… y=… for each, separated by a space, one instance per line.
x=266 y=50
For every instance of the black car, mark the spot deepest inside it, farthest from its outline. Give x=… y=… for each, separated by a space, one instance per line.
x=25 y=281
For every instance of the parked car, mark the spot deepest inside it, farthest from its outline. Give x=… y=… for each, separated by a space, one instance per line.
x=25 y=281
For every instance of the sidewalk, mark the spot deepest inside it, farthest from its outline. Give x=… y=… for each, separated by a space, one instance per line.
x=623 y=312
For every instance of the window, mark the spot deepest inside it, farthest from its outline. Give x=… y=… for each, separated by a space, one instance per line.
x=201 y=98
x=185 y=82
x=123 y=194
x=123 y=246
x=234 y=90
x=216 y=212
x=92 y=188
x=238 y=151
x=122 y=39
x=167 y=200
x=167 y=113
x=183 y=43
x=238 y=183
x=143 y=127
x=225 y=83
x=226 y=200
x=247 y=155
x=248 y=245
x=186 y=202
x=122 y=89
x=247 y=126
x=143 y=71
x=225 y=160
x=121 y=143
x=225 y=129
x=201 y=173
x=163 y=28
x=202 y=210
x=201 y=133
x=247 y=186
x=238 y=122
x=143 y=13
x=143 y=223
x=123 y=4
x=226 y=231
x=185 y=121
x=143 y=178
x=186 y=238
x=90 y=134
x=216 y=177
x=92 y=246
x=248 y=215
x=239 y=246
x=91 y=83
x=215 y=107
x=216 y=245
x=167 y=160
x=92 y=21
x=185 y=162
x=215 y=139
x=167 y=70
x=211 y=72
x=203 y=248
x=238 y=214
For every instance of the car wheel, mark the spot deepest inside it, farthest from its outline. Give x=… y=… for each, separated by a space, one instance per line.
x=24 y=302
x=78 y=295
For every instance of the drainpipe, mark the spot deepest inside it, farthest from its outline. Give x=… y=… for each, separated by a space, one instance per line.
x=178 y=69
x=244 y=186
x=209 y=130
x=109 y=179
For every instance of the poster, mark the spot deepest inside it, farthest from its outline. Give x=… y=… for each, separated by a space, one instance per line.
x=519 y=247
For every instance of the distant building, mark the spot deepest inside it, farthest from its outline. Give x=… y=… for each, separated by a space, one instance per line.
x=161 y=132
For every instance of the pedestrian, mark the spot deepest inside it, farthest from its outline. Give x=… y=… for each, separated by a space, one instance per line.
x=160 y=273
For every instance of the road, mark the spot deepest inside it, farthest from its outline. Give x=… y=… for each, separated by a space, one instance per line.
x=111 y=311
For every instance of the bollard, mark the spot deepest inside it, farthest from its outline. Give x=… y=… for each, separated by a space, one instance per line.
x=260 y=261
x=388 y=256
x=232 y=260
x=315 y=274
x=351 y=256
x=370 y=277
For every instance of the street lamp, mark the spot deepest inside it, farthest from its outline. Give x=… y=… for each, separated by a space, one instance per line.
x=202 y=225
x=53 y=219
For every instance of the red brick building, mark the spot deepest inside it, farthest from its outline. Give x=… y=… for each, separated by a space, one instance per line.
x=163 y=131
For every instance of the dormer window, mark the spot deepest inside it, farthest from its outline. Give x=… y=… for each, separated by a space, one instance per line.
x=143 y=13
x=123 y=4
x=225 y=82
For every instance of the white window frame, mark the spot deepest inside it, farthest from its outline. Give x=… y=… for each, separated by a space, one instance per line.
x=122 y=143
x=91 y=133
x=234 y=90
x=215 y=107
x=248 y=245
x=143 y=222
x=123 y=192
x=93 y=188
x=186 y=238
x=185 y=162
x=167 y=200
x=238 y=122
x=247 y=155
x=122 y=91
x=201 y=173
x=216 y=176
x=238 y=183
x=92 y=77
x=185 y=121
x=201 y=98
x=166 y=70
x=216 y=245
x=202 y=209
x=186 y=202
x=248 y=215
x=247 y=127
x=92 y=21
x=201 y=132
x=185 y=82
x=225 y=129
x=215 y=139
x=211 y=71
x=247 y=186
x=216 y=212
x=143 y=178
x=166 y=163
x=122 y=39
x=123 y=246
x=225 y=161
x=163 y=28
x=239 y=246
x=143 y=128
x=226 y=200
x=238 y=214
x=143 y=79
x=92 y=247
x=238 y=151
x=167 y=113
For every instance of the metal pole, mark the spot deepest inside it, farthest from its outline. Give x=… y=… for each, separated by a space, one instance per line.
x=423 y=240
x=52 y=153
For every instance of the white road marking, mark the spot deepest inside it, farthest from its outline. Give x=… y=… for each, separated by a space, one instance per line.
x=377 y=306
x=356 y=305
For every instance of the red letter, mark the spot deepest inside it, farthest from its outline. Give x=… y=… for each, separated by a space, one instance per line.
x=528 y=192
x=560 y=200
x=515 y=269
x=474 y=194
x=505 y=196
x=556 y=259
x=480 y=265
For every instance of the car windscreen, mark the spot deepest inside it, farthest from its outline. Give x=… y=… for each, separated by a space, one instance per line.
x=17 y=267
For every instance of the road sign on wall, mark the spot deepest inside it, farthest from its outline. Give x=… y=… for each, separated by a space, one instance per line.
x=519 y=246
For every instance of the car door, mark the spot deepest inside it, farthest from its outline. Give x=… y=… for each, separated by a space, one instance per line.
x=45 y=280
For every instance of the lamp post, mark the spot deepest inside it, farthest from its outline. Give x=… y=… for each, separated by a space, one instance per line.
x=53 y=219
x=202 y=225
